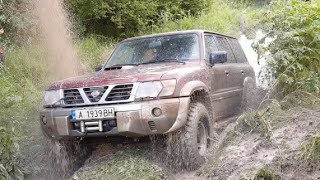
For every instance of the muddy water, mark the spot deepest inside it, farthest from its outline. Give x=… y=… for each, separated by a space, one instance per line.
x=56 y=34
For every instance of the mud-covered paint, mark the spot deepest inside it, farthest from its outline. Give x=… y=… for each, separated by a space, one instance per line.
x=222 y=83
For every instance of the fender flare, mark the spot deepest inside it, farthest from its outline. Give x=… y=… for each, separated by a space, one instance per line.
x=185 y=100
x=246 y=82
x=193 y=86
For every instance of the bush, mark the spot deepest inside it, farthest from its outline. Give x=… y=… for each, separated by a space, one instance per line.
x=228 y=17
x=95 y=50
x=15 y=20
x=9 y=165
x=293 y=56
x=126 y=18
x=25 y=75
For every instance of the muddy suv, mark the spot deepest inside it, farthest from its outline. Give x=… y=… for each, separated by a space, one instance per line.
x=179 y=84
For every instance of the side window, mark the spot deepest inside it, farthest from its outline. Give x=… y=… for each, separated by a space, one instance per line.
x=238 y=52
x=210 y=44
x=224 y=46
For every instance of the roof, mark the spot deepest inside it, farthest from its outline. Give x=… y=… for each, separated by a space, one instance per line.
x=177 y=32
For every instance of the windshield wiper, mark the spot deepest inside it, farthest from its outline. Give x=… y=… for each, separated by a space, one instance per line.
x=172 y=60
x=165 y=60
x=120 y=65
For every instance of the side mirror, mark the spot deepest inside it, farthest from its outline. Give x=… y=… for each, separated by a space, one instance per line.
x=218 y=57
x=99 y=67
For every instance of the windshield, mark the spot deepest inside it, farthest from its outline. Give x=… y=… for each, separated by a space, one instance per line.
x=183 y=47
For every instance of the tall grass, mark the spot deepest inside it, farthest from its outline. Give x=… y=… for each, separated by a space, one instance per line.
x=95 y=50
x=228 y=17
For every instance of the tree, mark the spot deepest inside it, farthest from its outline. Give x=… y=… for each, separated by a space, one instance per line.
x=128 y=17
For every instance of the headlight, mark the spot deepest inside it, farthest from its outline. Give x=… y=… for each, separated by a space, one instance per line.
x=168 y=87
x=52 y=98
x=155 y=89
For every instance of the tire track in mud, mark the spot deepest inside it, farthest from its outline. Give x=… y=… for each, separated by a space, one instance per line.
x=157 y=153
x=241 y=156
x=123 y=161
x=153 y=153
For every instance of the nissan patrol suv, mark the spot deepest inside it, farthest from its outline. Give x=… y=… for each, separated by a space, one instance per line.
x=178 y=84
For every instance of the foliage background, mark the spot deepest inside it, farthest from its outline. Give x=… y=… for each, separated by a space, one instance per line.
x=127 y=18
x=293 y=56
x=99 y=25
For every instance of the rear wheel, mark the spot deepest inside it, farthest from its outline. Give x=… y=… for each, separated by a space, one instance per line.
x=248 y=96
x=189 y=145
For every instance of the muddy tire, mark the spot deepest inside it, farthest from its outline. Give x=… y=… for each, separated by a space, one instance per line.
x=189 y=145
x=64 y=156
x=248 y=95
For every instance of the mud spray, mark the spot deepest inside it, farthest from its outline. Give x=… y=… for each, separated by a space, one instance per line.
x=55 y=28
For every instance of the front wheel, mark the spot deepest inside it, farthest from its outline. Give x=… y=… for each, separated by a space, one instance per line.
x=189 y=145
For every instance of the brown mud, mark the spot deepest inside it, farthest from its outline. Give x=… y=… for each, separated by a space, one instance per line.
x=235 y=155
x=247 y=153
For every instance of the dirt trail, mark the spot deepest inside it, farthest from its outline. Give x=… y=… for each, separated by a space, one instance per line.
x=247 y=153
x=241 y=156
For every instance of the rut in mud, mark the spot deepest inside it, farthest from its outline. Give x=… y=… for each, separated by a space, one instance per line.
x=241 y=152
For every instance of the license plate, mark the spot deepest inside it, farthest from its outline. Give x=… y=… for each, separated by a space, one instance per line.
x=105 y=113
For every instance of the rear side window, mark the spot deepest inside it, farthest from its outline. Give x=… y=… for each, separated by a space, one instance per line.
x=237 y=51
x=224 y=46
x=211 y=45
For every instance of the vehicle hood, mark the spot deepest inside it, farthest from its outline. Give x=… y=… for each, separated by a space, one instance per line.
x=128 y=74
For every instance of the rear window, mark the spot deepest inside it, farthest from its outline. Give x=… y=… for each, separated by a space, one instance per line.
x=237 y=51
x=224 y=46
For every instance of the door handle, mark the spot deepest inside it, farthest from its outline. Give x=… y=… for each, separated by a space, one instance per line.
x=227 y=72
x=242 y=72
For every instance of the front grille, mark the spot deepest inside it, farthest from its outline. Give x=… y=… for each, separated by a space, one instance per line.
x=120 y=93
x=94 y=94
x=72 y=96
x=99 y=95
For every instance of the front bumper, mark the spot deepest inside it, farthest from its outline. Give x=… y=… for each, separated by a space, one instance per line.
x=132 y=119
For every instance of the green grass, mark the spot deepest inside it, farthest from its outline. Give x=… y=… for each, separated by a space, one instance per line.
x=95 y=50
x=227 y=17
x=311 y=149
x=25 y=75
x=126 y=165
x=262 y=174
x=259 y=121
